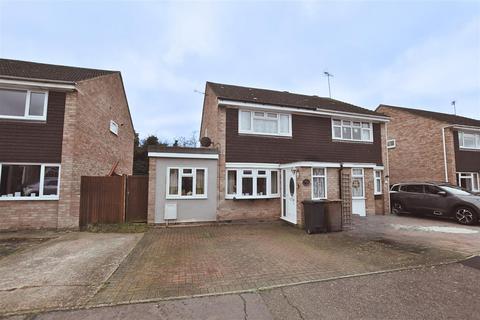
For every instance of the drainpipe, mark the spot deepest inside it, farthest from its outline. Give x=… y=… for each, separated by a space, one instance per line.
x=445 y=152
x=387 y=166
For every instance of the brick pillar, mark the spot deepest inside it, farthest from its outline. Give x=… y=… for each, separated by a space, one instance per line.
x=152 y=183
x=346 y=195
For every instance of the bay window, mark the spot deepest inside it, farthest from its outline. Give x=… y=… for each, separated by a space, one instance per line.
x=469 y=181
x=319 y=183
x=266 y=123
x=377 y=181
x=352 y=130
x=23 y=104
x=185 y=183
x=29 y=181
x=469 y=140
x=251 y=183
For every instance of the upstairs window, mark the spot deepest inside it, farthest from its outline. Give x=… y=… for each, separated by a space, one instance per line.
x=265 y=123
x=352 y=130
x=23 y=104
x=469 y=140
x=252 y=183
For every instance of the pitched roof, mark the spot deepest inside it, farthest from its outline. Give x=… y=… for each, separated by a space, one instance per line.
x=445 y=117
x=52 y=72
x=285 y=99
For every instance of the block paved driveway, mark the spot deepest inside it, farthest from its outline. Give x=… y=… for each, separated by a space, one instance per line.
x=184 y=261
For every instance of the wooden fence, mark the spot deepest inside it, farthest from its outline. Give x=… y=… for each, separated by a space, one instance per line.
x=115 y=199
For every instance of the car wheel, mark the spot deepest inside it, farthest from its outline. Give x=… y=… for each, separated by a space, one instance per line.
x=466 y=216
x=397 y=208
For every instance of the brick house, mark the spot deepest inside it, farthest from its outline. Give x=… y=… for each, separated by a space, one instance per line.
x=433 y=146
x=57 y=123
x=274 y=150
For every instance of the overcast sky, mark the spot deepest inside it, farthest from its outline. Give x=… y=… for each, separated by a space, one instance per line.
x=415 y=54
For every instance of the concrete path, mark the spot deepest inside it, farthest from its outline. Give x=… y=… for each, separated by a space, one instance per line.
x=62 y=272
x=442 y=292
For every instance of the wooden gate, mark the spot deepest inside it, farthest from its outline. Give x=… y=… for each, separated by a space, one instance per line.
x=137 y=199
x=115 y=199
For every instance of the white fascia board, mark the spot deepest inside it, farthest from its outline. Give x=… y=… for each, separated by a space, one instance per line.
x=311 y=164
x=37 y=84
x=318 y=112
x=252 y=165
x=183 y=155
x=469 y=128
x=362 y=165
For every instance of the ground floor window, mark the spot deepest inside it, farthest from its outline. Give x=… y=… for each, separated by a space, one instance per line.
x=468 y=180
x=29 y=181
x=358 y=186
x=244 y=183
x=186 y=183
x=378 y=181
x=319 y=183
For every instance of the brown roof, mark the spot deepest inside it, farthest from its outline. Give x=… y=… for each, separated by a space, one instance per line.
x=285 y=99
x=182 y=149
x=445 y=117
x=42 y=71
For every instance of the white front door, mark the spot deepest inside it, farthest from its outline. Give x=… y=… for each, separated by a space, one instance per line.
x=289 y=196
x=358 y=192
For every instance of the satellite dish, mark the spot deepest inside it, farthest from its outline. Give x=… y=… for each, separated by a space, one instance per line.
x=205 y=142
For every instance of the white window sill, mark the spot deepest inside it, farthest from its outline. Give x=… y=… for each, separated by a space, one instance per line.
x=186 y=197
x=359 y=198
x=354 y=141
x=319 y=198
x=286 y=135
x=469 y=149
x=30 y=118
x=378 y=194
x=231 y=197
x=28 y=198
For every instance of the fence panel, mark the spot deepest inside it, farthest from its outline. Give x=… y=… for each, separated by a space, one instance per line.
x=137 y=199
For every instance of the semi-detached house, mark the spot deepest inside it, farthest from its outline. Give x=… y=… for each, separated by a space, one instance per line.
x=432 y=146
x=57 y=123
x=267 y=152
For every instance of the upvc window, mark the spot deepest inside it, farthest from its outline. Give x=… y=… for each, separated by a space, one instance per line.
x=469 y=181
x=378 y=181
x=29 y=181
x=352 y=130
x=245 y=183
x=319 y=183
x=358 y=186
x=23 y=104
x=265 y=123
x=469 y=140
x=186 y=183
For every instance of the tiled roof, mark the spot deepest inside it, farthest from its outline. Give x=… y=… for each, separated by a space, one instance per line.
x=445 y=117
x=42 y=71
x=285 y=99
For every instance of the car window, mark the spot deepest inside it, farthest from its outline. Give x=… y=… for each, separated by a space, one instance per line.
x=431 y=189
x=414 y=188
x=456 y=190
x=395 y=188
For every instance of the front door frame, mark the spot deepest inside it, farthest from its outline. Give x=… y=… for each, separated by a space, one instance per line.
x=359 y=203
x=289 y=202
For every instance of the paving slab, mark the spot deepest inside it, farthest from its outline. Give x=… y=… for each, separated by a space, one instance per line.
x=176 y=262
x=62 y=272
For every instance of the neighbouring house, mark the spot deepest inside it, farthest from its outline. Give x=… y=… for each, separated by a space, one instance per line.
x=57 y=123
x=267 y=151
x=432 y=146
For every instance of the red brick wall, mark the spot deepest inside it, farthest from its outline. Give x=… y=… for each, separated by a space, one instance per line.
x=25 y=214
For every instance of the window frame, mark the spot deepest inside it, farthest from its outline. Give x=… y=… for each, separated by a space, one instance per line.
x=469 y=175
x=393 y=145
x=351 y=126
x=375 y=179
x=114 y=127
x=26 y=114
x=252 y=117
x=41 y=181
x=324 y=176
x=179 y=195
x=461 y=140
x=254 y=175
